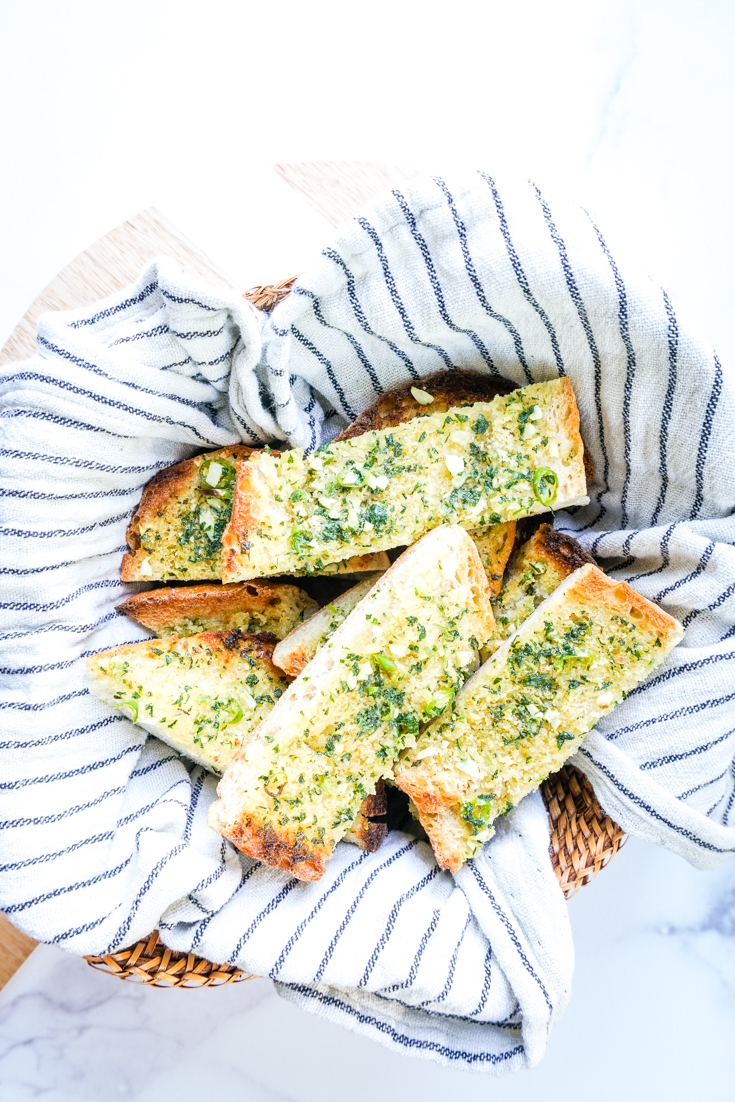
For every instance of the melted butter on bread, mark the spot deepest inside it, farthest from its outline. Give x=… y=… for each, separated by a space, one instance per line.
x=480 y=465
x=527 y=708
x=398 y=658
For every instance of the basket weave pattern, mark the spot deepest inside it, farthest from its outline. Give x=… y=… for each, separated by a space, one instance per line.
x=150 y=962
x=583 y=838
x=583 y=841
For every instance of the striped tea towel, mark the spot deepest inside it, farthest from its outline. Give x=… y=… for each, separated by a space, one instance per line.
x=103 y=833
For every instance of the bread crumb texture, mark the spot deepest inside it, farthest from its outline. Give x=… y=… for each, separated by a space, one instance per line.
x=480 y=465
x=397 y=660
x=528 y=707
x=494 y=545
x=203 y=695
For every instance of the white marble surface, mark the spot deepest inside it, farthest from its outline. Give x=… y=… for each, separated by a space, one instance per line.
x=652 y=1017
x=628 y=105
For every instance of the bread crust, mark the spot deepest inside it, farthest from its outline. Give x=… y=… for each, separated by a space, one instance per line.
x=272 y=848
x=595 y=587
x=161 y=609
x=374 y=561
x=284 y=517
x=366 y=834
x=447 y=388
x=228 y=644
x=563 y=550
x=245 y=515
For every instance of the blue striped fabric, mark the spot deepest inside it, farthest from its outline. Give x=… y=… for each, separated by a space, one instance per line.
x=103 y=833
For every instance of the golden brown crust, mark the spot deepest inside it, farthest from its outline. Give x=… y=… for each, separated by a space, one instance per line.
x=596 y=588
x=428 y=794
x=157 y=609
x=230 y=644
x=448 y=388
x=276 y=848
x=242 y=520
x=296 y=662
x=363 y=564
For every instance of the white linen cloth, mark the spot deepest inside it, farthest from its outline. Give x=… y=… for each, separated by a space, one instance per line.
x=103 y=832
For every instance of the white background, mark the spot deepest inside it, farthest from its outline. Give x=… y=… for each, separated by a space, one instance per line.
x=106 y=109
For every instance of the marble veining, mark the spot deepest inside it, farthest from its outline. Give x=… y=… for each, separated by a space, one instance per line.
x=653 y=1004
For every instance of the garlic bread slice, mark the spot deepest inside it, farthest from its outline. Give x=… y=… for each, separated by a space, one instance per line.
x=441 y=391
x=251 y=607
x=528 y=707
x=400 y=656
x=203 y=695
x=478 y=465
x=175 y=533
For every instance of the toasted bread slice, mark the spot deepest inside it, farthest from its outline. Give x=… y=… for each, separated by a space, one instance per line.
x=516 y=455
x=398 y=658
x=297 y=649
x=446 y=389
x=365 y=833
x=536 y=568
x=252 y=607
x=176 y=531
x=203 y=695
x=527 y=709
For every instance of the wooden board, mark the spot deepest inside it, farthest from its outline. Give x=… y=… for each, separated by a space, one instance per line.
x=336 y=188
x=339 y=188
x=114 y=261
x=14 y=948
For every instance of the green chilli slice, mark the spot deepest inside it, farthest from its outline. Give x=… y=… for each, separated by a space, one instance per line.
x=545 y=485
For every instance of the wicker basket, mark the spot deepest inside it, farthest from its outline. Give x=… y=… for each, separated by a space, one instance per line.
x=583 y=841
